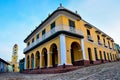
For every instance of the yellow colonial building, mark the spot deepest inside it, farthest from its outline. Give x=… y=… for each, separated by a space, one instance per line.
x=64 y=38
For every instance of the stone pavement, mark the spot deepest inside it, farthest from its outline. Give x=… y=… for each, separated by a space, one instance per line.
x=107 y=71
x=20 y=76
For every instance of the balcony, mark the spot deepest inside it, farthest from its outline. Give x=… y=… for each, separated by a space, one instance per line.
x=52 y=32
x=90 y=38
x=99 y=42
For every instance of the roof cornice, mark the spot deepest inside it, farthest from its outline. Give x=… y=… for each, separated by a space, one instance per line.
x=56 y=11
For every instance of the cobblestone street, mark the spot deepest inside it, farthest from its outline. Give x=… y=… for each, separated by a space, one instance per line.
x=108 y=71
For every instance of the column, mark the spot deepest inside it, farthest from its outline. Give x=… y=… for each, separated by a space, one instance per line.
x=83 y=49
x=62 y=49
x=41 y=60
x=49 y=56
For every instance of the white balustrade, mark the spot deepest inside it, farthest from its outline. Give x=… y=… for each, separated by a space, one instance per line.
x=53 y=31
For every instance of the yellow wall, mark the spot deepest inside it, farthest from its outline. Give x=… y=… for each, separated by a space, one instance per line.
x=69 y=41
x=47 y=45
x=16 y=67
x=79 y=25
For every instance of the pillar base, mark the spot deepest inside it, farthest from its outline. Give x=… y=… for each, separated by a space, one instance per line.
x=97 y=61
x=81 y=63
x=42 y=67
x=51 y=66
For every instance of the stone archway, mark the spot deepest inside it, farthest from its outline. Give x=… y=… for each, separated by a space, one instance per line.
x=54 y=51
x=32 y=61
x=76 y=53
x=44 y=57
x=37 y=59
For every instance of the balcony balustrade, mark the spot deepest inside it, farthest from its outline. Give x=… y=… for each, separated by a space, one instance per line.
x=52 y=32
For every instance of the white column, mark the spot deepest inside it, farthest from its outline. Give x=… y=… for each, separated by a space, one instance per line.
x=83 y=49
x=62 y=49
x=25 y=63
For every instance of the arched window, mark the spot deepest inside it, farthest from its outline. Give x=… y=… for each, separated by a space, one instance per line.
x=95 y=51
x=32 y=61
x=54 y=51
x=104 y=55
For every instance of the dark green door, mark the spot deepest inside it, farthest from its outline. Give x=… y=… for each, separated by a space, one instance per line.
x=32 y=63
x=53 y=59
x=72 y=56
x=45 y=57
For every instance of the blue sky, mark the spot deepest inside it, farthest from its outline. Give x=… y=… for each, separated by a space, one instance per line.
x=19 y=17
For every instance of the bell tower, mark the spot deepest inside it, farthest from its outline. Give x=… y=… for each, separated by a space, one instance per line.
x=15 y=54
x=14 y=61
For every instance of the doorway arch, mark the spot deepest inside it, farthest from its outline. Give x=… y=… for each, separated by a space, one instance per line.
x=44 y=54
x=76 y=52
x=54 y=51
x=32 y=61
x=37 y=58
x=28 y=62
x=90 y=55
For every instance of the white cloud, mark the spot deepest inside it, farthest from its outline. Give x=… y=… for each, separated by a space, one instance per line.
x=103 y=14
x=113 y=30
x=10 y=36
x=5 y=52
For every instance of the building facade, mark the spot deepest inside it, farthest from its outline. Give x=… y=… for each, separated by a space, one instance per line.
x=117 y=47
x=14 y=61
x=64 y=38
x=3 y=66
x=21 y=64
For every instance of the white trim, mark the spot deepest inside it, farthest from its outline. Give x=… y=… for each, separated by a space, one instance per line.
x=62 y=49
x=83 y=49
